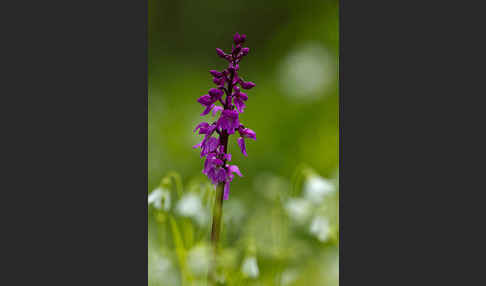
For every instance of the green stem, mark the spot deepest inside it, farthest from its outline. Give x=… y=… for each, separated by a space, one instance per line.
x=216 y=230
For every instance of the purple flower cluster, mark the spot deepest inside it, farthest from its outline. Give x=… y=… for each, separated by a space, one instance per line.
x=215 y=149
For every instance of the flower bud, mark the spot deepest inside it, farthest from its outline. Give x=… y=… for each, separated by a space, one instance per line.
x=220 y=53
x=205 y=100
x=215 y=93
x=239 y=39
x=242 y=38
x=245 y=51
x=247 y=85
x=216 y=73
x=236 y=38
x=218 y=80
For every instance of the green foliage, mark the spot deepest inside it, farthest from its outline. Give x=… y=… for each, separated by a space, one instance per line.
x=287 y=237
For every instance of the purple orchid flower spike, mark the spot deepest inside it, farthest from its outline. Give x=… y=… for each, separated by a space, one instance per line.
x=215 y=150
x=229 y=109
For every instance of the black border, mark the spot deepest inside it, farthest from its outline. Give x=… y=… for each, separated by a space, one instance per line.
x=74 y=190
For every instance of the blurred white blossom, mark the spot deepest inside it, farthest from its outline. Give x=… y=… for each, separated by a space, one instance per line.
x=298 y=209
x=306 y=72
x=160 y=199
x=250 y=267
x=190 y=205
x=316 y=188
x=320 y=228
x=160 y=268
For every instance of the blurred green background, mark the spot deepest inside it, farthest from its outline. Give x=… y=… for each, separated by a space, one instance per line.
x=293 y=59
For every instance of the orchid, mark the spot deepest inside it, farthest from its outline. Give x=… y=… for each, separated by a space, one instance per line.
x=216 y=149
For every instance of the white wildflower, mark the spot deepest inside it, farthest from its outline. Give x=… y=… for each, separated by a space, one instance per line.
x=298 y=209
x=190 y=205
x=320 y=228
x=160 y=199
x=250 y=267
x=316 y=188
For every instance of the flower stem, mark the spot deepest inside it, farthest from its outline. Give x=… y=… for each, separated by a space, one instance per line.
x=217 y=214
x=215 y=230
